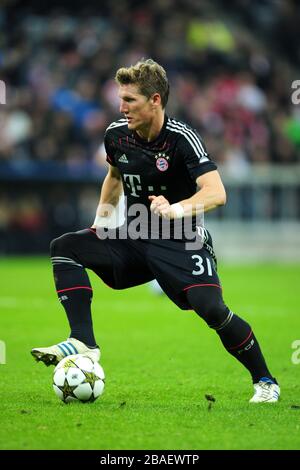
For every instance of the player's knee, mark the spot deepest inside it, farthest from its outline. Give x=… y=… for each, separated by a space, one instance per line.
x=209 y=306
x=64 y=245
x=215 y=315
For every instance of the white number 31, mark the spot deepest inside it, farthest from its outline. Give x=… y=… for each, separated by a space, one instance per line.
x=200 y=265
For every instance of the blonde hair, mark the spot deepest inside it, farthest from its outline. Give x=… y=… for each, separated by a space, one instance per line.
x=149 y=76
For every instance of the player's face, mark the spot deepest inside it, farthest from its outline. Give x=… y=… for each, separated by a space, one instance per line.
x=137 y=108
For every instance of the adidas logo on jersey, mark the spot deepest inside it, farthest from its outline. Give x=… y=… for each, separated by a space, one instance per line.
x=123 y=159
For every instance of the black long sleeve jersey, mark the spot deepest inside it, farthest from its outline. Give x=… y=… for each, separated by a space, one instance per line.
x=169 y=165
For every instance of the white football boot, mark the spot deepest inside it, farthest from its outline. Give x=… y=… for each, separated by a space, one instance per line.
x=265 y=391
x=55 y=353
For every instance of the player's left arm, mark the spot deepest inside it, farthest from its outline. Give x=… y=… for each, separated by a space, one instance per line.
x=211 y=194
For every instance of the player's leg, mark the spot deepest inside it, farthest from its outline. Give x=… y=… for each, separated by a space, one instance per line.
x=190 y=279
x=114 y=261
x=237 y=337
x=234 y=332
x=70 y=255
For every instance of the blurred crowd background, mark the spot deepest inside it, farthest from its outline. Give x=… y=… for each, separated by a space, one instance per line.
x=231 y=67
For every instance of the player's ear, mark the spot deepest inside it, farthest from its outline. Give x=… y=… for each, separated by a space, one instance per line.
x=156 y=99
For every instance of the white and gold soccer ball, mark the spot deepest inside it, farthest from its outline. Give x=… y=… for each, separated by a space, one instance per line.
x=78 y=378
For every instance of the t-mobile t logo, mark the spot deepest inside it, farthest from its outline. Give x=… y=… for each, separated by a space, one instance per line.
x=131 y=182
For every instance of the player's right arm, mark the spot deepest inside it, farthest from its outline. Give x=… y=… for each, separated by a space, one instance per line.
x=110 y=193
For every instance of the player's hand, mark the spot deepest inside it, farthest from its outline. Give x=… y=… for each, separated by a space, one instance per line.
x=161 y=206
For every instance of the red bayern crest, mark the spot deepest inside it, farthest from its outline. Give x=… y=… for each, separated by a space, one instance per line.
x=162 y=164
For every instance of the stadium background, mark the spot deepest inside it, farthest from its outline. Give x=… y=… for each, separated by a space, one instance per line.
x=231 y=66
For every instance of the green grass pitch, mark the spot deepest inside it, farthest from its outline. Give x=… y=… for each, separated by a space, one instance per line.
x=160 y=362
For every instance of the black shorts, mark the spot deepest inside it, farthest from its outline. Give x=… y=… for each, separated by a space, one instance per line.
x=176 y=269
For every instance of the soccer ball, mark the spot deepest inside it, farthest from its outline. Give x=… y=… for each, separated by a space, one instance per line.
x=78 y=378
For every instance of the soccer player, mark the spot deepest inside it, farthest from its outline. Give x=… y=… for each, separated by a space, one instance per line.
x=162 y=164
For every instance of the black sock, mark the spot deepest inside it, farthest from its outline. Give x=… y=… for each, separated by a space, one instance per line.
x=75 y=293
x=239 y=340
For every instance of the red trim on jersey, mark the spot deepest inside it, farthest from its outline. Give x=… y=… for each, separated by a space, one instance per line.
x=235 y=347
x=92 y=230
x=109 y=158
x=201 y=285
x=74 y=288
